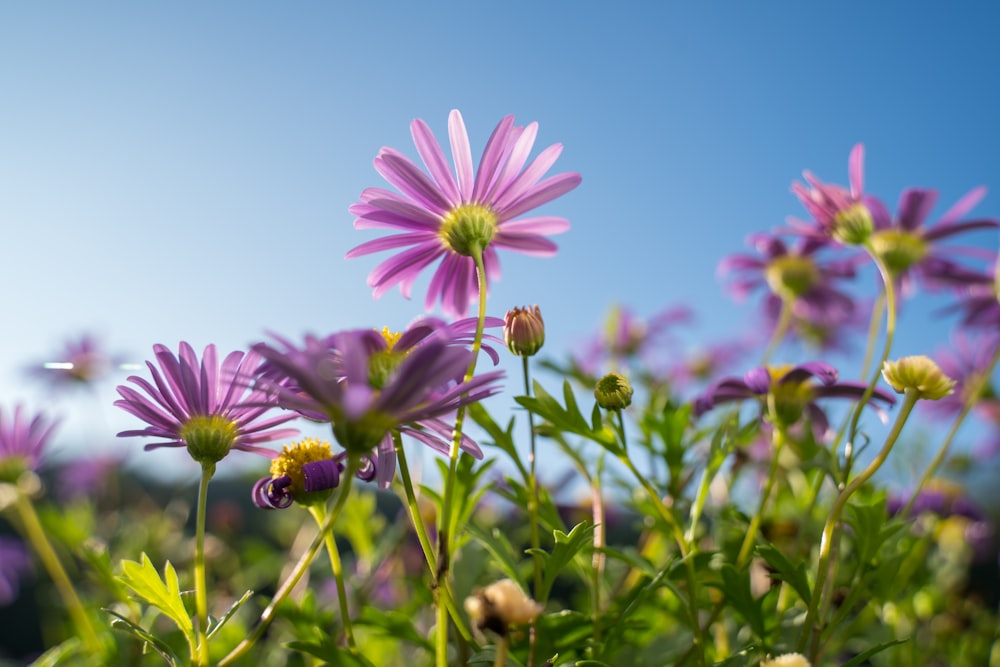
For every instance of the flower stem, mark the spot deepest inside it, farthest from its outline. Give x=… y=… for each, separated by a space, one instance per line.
x=780 y=330
x=820 y=598
x=319 y=513
x=501 y=657
x=972 y=394
x=772 y=474
x=533 y=509
x=300 y=569
x=36 y=535
x=200 y=586
x=890 y=332
x=445 y=536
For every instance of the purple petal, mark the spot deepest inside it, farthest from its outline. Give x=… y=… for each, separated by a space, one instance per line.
x=433 y=157
x=461 y=153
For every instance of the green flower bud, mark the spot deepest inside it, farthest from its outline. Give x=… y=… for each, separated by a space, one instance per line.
x=613 y=392
x=524 y=331
x=918 y=372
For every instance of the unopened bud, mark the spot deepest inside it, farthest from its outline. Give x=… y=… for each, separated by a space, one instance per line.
x=524 y=330
x=787 y=660
x=501 y=605
x=613 y=392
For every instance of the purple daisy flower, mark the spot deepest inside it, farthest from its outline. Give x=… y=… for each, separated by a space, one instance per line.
x=793 y=393
x=452 y=217
x=15 y=564
x=626 y=336
x=208 y=407
x=82 y=361
x=910 y=249
x=966 y=361
x=23 y=440
x=979 y=306
x=827 y=203
x=793 y=275
x=366 y=389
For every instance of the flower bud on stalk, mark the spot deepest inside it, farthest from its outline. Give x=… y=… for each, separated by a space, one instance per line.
x=613 y=392
x=524 y=331
x=921 y=373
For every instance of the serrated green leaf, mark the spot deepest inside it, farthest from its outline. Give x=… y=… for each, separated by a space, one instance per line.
x=145 y=581
x=164 y=651
x=566 y=547
x=59 y=655
x=792 y=574
x=495 y=542
x=735 y=586
x=862 y=657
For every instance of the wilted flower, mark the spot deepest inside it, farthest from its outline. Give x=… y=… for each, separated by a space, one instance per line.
x=613 y=392
x=501 y=605
x=207 y=407
x=791 y=392
x=787 y=660
x=23 y=440
x=15 y=563
x=524 y=331
x=305 y=472
x=454 y=217
x=920 y=373
x=354 y=381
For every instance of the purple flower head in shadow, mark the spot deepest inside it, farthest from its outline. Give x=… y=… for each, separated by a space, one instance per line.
x=207 y=406
x=447 y=218
x=23 y=439
x=627 y=337
x=15 y=564
x=367 y=388
x=911 y=250
x=966 y=361
x=793 y=391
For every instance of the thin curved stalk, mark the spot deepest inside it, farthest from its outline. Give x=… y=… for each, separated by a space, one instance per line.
x=330 y=540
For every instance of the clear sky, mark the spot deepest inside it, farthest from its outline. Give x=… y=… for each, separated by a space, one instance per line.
x=182 y=171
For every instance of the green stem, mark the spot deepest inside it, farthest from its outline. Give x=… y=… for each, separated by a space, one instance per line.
x=36 y=535
x=536 y=540
x=890 y=333
x=422 y=537
x=972 y=393
x=678 y=533
x=873 y=329
x=820 y=598
x=200 y=586
x=772 y=474
x=780 y=331
x=296 y=574
x=445 y=536
x=319 y=513
x=501 y=658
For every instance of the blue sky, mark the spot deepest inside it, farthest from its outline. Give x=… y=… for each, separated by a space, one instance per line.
x=182 y=171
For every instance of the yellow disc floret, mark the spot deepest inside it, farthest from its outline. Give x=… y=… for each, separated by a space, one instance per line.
x=791 y=276
x=468 y=229
x=290 y=462
x=787 y=400
x=899 y=249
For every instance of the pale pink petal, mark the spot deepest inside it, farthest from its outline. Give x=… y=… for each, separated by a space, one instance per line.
x=386 y=243
x=538 y=225
x=856 y=170
x=963 y=205
x=497 y=149
x=461 y=153
x=529 y=244
x=520 y=151
x=527 y=178
x=434 y=159
x=407 y=177
x=542 y=193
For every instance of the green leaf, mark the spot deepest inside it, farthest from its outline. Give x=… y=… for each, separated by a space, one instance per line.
x=121 y=623
x=794 y=575
x=568 y=419
x=394 y=624
x=567 y=546
x=502 y=439
x=60 y=655
x=735 y=585
x=145 y=581
x=327 y=649
x=500 y=548
x=214 y=627
x=862 y=657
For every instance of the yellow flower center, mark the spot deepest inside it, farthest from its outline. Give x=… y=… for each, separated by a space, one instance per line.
x=468 y=229
x=788 y=400
x=291 y=459
x=382 y=364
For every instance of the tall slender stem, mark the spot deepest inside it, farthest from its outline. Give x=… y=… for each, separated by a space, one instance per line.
x=536 y=540
x=319 y=513
x=300 y=569
x=200 y=585
x=819 y=599
x=780 y=330
x=36 y=535
x=445 y=536
x=772 y=474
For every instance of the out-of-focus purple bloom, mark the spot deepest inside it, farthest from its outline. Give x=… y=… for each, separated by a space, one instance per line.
x=23 y=440
x=449 y=217
x=15 y=564
x=911 y=250
x=822 y=331
x=979 y=307
x=627 y=337
x=208 y=407
x=792 y=390
x=87 y=477
x=949 y=501
x=828 y=203
x=794 y=275
x=707 y=364
x=81 y=362
x=366 y=388
x=967 y=361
